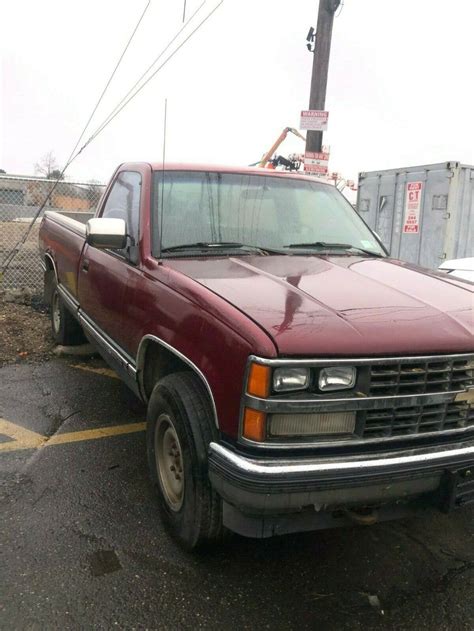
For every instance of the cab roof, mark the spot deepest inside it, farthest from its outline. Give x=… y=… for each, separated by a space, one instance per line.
x=239 y=170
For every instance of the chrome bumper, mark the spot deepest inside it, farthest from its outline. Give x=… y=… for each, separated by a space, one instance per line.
x=264 y=486
x=278 y=469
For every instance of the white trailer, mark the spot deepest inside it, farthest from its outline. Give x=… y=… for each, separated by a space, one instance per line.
x=423 y=214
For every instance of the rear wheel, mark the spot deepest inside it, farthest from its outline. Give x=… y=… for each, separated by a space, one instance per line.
x=65 y=328
x=179 y=429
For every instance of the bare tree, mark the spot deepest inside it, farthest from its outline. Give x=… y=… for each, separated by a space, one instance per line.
x=48 y=167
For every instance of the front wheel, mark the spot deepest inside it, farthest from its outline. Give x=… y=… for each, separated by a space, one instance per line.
x=179 y=429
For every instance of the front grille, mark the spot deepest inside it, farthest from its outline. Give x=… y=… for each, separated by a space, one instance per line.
x=424 y=377
x=396 y=400
x=419 y=419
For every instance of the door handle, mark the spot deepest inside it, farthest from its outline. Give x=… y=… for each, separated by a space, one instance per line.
x=85 y=265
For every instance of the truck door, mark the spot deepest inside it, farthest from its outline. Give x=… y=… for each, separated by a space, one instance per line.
x=103 y=273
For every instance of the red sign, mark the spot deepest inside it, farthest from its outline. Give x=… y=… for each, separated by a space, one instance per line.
x=411 y=222
x=315 y=168
x=315 y=162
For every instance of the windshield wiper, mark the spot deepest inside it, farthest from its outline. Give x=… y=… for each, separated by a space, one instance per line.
x=335 y=246
x=320 y=244
x=220 y=245
x=369 y=252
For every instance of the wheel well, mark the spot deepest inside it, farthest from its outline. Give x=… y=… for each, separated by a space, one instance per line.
x=157 y=363
x=49 y=279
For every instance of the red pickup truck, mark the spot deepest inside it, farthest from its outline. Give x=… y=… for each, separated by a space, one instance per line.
x=296 y=377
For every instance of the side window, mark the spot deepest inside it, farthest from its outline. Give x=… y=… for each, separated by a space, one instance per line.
x=123 y=202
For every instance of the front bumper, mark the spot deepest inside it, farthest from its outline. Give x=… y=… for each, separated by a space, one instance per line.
x=259 y=488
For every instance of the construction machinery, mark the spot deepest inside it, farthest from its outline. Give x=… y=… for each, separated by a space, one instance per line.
x=271 y=161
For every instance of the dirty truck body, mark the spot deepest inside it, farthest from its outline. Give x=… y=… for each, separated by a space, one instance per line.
x=296 y=376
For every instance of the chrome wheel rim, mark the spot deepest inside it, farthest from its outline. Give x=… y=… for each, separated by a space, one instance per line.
x=169 y=462
x=56 y=312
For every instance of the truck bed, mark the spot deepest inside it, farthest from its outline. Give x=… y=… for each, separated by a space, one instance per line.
x=63 y=239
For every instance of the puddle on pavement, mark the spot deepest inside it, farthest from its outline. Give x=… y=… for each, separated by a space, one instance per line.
x=104 y=562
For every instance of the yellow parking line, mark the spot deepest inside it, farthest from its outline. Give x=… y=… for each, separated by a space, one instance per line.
x=106 y=372
x=22 y=438
x=93 y=434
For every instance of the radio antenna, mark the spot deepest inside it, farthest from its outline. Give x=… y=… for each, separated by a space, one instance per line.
x=163 y=182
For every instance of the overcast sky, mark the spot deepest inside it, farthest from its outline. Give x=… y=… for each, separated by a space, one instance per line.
x=400 y=87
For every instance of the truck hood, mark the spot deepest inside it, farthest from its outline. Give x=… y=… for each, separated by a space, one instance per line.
x=343 y=305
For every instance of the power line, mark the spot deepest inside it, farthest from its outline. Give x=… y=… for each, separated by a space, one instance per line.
x=72 y=155
x=110 y=78
x=124 y=104
x=16 y=248
x=341 y=6
x=143 y=75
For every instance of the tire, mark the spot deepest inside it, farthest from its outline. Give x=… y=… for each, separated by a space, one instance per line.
x=179 y=429
x=65 y=328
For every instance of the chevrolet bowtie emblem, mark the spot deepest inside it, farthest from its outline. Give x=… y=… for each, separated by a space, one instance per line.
x=465 y=396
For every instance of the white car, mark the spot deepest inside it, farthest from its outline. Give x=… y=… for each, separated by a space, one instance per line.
x=461 y=268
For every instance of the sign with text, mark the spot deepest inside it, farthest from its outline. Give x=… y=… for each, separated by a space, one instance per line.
x=314 y=120
x=316 y=162
x=411 y=222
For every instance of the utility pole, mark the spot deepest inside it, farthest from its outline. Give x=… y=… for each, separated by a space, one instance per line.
x=319 y=77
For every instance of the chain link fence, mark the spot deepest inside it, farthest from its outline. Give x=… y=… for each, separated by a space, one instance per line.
x=20 y=198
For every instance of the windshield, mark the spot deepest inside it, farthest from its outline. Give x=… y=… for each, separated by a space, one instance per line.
x=260 y=211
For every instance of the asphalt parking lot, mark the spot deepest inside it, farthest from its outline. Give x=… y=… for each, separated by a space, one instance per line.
x=83 y=546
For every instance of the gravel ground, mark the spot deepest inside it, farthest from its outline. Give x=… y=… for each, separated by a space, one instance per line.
x=24 y=332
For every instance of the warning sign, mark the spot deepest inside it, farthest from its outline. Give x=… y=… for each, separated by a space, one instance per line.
x=315 y=162
x=411 y=222
x=314 y=120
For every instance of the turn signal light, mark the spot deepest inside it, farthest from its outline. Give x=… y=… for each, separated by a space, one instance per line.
x=254 y=425
x=258 y=383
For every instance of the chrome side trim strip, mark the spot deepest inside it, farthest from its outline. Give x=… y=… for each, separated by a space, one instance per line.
x=141 y=361
x=135 y=369
x=110 y=346
x=71 y=224
x=274 y=468
x=103 y=340
x=96 y=332
x=357 y=361
x=69 y=299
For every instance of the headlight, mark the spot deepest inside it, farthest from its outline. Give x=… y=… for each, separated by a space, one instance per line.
x=337 y=378
x=285 y=379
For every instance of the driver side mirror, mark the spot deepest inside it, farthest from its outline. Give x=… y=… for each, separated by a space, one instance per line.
x=106 y=233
